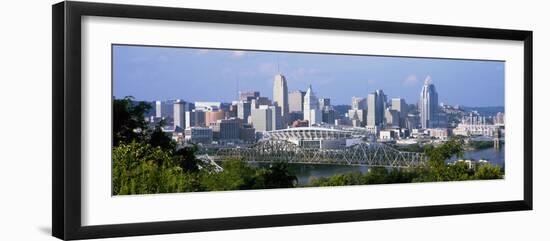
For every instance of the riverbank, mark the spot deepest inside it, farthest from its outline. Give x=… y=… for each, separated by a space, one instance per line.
x=307 y=172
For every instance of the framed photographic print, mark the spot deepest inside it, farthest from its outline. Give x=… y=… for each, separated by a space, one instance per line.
x=169 y=120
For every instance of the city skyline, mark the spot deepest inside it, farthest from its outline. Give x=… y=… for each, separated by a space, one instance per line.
x=160 y=73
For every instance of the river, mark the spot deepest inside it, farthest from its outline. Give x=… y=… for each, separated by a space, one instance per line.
x=304 y=172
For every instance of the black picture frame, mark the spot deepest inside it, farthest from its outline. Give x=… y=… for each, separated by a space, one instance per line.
x=66 y=127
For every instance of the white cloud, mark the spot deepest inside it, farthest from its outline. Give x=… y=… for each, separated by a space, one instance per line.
x=410 y=80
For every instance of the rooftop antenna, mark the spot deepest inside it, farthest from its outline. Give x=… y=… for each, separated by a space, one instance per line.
x=237 y=87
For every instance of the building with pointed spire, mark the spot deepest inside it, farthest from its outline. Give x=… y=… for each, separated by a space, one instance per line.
x=312 y=113
x=427 y=106
x=280 y=96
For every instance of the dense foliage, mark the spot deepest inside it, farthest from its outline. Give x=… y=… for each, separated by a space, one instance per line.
x=128 y=122
x=479 y=145
x=144 y=169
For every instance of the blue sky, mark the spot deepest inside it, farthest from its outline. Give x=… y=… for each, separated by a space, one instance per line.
x=158 y=73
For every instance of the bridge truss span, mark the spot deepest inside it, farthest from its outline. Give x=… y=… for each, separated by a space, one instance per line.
x=366 y=154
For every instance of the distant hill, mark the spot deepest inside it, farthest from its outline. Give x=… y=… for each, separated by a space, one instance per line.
x=486 y=111
x=341 y=109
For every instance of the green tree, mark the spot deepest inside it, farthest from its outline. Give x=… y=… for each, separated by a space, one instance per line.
x=186 y=159
x=144 y=169
x=376 y=175
x=128 y=120
x=279 y=176
x=458 y=171
x=438 y=155
x=487 y=171
x=236 y=175
x=157 y=137
x=137 y=169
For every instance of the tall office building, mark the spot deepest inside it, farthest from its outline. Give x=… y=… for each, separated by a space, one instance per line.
x=324 y=103
x=312 y=113
x=233 y=112
x=428 y=105
x=211 y=117
x=179 y=114
x=198 y=135
x=296 y=101
x=399 y=105
x=280 y=95
x=392 y=118
x=262 y=119
x=164 y=108
x=358 y=103
x=381 y=105
x=158 y=109
x=277 y=121
x=243 y=110
x=227 y=130
x=358 y=112
x=371 y=115
x=376 y=108
x=195 y=118
x=328 y=115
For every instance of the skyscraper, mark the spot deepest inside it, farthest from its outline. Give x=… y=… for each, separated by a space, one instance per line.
x=296 y=101
x=358 y=103
x=262 y=118
x=328 y=115
x=194 y=118
x=358 y=112
x=243 y=110
x=399 y=105
x=428 y=105
x=323 y=103
x=179 y=114
x=371 y=115
x=376 y=108
x=392 y=118
x=228 y=129
x=280 y=95
x=277 y=118
x=164 y=108
x=158 y=110
x=381 y=103
x=312 y=113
